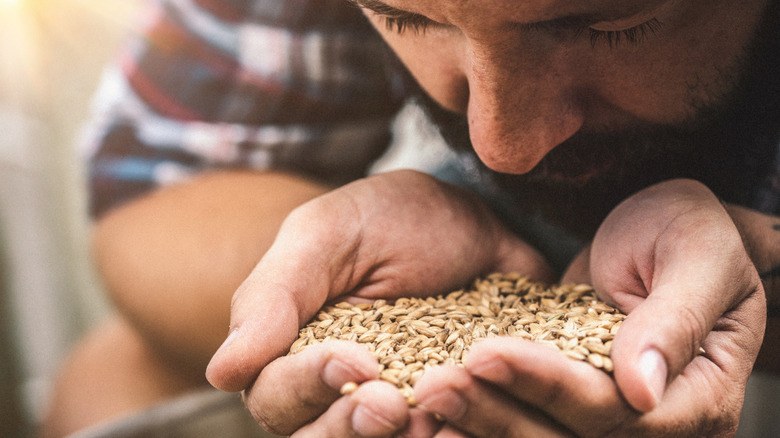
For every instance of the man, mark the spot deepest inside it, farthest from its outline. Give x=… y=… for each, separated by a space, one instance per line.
x=645 y=131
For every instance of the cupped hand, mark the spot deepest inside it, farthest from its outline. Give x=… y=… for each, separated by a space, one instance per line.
x=672 y=259
x=397 y=234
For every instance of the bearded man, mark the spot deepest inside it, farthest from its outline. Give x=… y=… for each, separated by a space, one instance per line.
x=631 y=144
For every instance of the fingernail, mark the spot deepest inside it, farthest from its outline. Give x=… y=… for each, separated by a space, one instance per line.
x=215 y=358
x=652 y=366
x=232 y=335
x=368 y=423
x=448 y=404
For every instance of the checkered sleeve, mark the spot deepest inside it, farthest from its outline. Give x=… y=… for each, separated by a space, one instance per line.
x=299 y=85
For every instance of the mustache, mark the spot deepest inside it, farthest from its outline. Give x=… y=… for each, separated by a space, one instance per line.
x=579 y=181
x=579 y=155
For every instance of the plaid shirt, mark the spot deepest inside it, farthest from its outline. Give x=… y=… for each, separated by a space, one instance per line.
x=285 y=84
x=293 y=84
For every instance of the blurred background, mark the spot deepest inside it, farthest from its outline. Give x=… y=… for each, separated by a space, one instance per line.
x=52 y=53
x=51 y=56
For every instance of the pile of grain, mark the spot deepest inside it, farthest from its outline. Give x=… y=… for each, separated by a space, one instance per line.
x=414 y=334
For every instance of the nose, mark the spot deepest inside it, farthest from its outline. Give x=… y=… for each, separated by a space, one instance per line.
x=522 y=103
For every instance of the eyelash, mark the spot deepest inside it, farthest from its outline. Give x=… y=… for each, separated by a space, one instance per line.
x=633 y=35
x=399 y=25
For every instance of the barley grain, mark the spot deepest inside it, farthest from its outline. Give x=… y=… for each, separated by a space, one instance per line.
x=413 y=334
x=348 y=388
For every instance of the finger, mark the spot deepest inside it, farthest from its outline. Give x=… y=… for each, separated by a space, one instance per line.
x=287 y=287
x=253 y=343
x=449 y=432
x=737 y=336
x=375 y=409
x=711 y=388
x=578 y=270
x=700 y=402
x=422 y=424
x=514 y=255
x=478 y=409
x=293 y=390
x=573 y=393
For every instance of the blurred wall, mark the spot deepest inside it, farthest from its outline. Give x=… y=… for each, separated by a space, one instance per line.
x=51 y=55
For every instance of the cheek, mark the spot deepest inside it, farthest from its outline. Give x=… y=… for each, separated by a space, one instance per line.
x=694 y=62
x=656 y=90
x=436 y=65
x=640 y=91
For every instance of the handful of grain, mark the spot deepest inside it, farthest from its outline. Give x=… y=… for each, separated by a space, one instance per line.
x=414 y=334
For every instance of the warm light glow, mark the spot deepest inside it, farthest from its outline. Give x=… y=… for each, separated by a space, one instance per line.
x=45 y=44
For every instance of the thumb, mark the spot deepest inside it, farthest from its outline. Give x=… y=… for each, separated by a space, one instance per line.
x=672 y=259
x=265 y=319
x=578 y=270
x=285 y=290
x=664 y=331
x=655 y=343
x=252 y=344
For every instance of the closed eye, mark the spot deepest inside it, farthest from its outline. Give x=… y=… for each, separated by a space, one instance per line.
x=577 y=26
x=632 y=36
x=399 y=24
x=396 y=20
x=399 y=21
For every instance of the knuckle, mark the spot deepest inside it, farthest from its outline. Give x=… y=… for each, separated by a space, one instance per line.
x=550 y=395
x=719 y=418
x=692 y=326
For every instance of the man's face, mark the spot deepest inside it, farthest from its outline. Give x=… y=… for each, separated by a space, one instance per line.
x=531 y=75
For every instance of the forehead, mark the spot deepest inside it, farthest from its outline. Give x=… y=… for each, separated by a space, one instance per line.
x=523 y=11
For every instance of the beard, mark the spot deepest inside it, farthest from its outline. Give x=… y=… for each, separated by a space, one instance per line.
x=581 y=180
x=728 y=145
